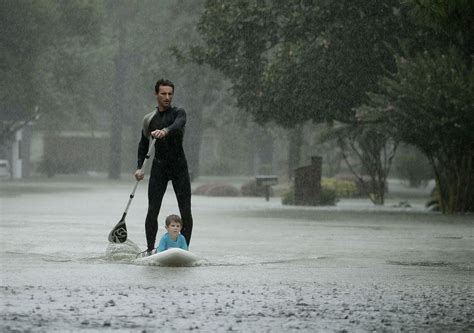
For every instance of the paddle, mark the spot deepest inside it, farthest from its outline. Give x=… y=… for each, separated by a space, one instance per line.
x=119 y=232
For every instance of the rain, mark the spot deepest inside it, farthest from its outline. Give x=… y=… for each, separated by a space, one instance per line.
x=328 y=146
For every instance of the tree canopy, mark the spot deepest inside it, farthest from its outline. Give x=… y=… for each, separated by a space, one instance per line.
x=36 y=39
x=428 y=102
x=290 y=62
x=295 y=61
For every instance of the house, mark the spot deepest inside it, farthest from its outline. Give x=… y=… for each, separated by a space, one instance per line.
x=15 y=143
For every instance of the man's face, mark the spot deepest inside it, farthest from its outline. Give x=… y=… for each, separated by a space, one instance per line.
x=164 y=97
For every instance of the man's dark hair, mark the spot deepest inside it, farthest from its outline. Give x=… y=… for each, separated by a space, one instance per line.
x=163 y=82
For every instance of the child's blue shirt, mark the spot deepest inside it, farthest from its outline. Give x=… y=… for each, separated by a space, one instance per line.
x=166 y=243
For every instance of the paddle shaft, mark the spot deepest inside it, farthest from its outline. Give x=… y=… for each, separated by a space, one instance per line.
x=147 y=157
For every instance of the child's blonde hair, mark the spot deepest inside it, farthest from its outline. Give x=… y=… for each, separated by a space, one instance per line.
x=173 y=218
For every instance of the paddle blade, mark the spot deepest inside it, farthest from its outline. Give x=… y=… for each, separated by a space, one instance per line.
x=119 y=232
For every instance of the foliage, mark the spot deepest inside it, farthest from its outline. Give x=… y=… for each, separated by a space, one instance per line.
x=67 y=155
x=230 y=140
x=327 y=197
x=217 y=190
x=430 y=99
x=452 y=21
x=294 y=61
x=92 y=65
x=141 y=39
x=40 y=68
x=288 y=197
x=342 y=188
x=412 y=166
x=429 y=104
x=368 y=150
x=290 y=62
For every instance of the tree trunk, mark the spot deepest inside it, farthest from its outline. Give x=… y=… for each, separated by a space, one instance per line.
x=264 y=150
x=117 y=115
x=374 y=149
x=294 y=150
x=454 y=179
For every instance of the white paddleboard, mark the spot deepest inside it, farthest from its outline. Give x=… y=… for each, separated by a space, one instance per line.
x=170 y=257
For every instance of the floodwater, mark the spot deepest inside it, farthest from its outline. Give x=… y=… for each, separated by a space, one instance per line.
x=265 y=267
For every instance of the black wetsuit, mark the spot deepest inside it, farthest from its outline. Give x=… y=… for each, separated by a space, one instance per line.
x=169 y=163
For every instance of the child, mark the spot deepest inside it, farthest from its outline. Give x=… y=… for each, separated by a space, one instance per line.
x=172 y=238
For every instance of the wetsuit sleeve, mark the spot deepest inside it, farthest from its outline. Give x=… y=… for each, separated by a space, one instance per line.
x=142 y=150
x=182 y=242
x=178 y=124
x=163 y=244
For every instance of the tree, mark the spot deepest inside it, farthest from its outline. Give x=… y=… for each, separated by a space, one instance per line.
x=452 y=21
x=412 y=166
x=368 y=150
x=138 y=43
x=123 y=13
x=429 y=103
x=36 y=44
x=375 y=149
x=291 y=62
x=295 y=61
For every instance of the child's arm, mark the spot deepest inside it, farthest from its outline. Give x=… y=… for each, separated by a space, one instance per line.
x=163 y=244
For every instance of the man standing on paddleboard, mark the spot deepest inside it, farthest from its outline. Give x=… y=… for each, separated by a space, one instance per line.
x=166 y=123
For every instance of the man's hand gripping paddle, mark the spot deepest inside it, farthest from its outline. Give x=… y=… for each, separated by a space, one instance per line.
x=119 y=232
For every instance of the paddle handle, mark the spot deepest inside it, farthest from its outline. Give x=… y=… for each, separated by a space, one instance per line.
x=147 y=157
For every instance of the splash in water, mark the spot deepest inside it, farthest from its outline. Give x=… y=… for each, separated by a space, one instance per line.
x=122 y=251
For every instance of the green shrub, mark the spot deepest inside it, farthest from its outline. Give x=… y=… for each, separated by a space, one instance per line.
x=342 y=188
x=288 y=197
x=328 y=197
x=217 y=190
x=413 y=167
x=361 y=189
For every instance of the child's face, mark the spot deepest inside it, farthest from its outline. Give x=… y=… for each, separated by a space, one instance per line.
x=174 y=229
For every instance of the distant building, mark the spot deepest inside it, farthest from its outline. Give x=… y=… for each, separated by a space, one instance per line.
x=15 y=144
x=73 y=152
